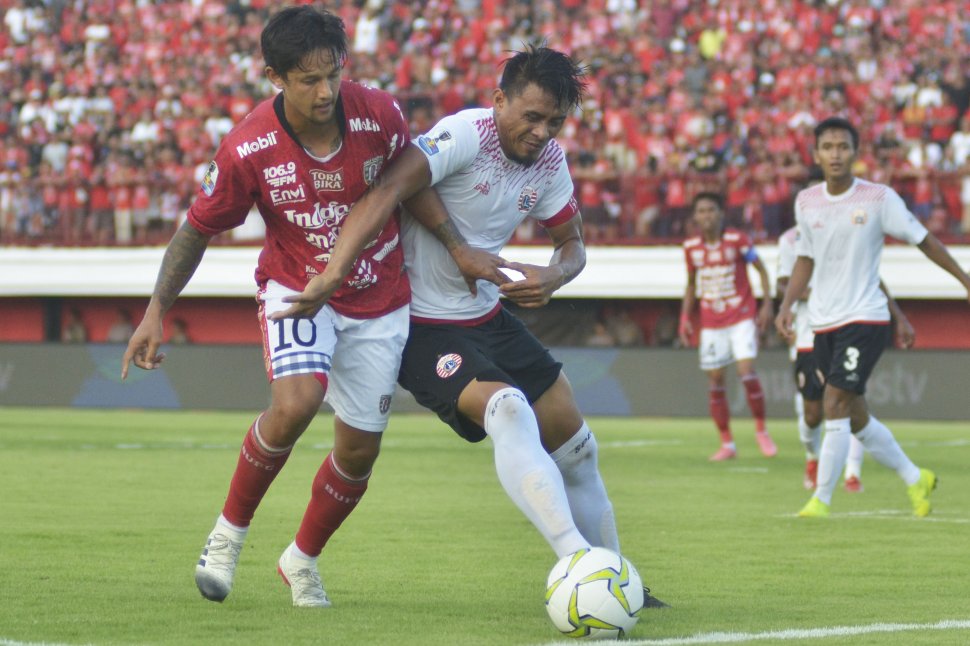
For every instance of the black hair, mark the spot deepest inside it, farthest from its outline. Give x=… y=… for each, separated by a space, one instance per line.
x=837 y=123
x=717 y=198
x=295 y=32
x=551 y=70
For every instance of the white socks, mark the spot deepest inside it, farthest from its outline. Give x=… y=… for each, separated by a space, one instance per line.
x=835 y=449
x=882 y=446
x=588 y=501
x=527 y=472
x=853 y=463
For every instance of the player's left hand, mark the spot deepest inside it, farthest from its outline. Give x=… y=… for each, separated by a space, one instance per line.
x=535 y=288
x=905 y=334
x=307 y=303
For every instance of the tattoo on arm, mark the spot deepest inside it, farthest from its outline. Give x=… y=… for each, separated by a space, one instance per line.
x=449 y=235
x=181 y=259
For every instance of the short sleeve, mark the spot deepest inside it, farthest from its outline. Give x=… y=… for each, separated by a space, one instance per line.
x=450 y=145
x=898 y=222
x=225 y=196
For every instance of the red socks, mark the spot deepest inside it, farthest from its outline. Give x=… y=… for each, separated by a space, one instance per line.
x=717 y=401
x=756 y=400
x=255 y=471
x=333 y=498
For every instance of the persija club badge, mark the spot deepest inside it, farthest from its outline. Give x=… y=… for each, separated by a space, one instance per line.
x=448 y=365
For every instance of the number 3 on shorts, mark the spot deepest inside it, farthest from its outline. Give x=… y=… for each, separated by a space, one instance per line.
x=851 y=358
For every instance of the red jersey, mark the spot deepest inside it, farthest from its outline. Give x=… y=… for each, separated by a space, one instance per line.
x=722 y=278
x=303 y=200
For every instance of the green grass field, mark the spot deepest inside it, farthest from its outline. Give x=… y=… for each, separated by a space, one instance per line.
x=103 y=515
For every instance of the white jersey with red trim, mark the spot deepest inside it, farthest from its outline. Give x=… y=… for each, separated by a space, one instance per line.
x=843 y=234
x=804 y=337
x=488 y=196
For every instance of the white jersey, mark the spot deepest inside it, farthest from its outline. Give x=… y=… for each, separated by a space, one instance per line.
x=487 y=196
x=844 y=235
x=804 y=337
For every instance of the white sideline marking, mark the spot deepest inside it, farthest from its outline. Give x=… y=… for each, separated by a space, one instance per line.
x=890 y=514
x=11 y=642
x=622 y=445
x=796 y=633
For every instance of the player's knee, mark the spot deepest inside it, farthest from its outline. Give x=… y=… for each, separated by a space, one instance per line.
x=508 y=411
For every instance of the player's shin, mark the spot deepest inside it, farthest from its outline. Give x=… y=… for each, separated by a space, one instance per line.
x=334 y=497
x=588 y=500
x=835 y=449
x=527 y=473
x=256 y=469
x=883 y=447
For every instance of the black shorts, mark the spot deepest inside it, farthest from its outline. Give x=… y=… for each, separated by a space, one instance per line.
x=847 y=355
x=440 y=360
x=808 y=379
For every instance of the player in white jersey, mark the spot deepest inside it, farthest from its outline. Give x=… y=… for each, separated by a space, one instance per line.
x=809 y=383
x=842 y=224
x=469 y=360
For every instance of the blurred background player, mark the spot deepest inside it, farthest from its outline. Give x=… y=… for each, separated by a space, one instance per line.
x=717 y=275
x=467 y=358
x=809 y=383
x=304 y=157
x=842 y=224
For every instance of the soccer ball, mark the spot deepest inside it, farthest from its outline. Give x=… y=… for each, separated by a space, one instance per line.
x=594 y=594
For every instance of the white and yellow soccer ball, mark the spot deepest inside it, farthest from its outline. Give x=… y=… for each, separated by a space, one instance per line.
x=594 y=594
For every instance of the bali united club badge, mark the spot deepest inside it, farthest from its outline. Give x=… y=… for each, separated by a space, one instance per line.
x=448 y=365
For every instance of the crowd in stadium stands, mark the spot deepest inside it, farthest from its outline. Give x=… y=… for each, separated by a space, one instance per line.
x=111 y=109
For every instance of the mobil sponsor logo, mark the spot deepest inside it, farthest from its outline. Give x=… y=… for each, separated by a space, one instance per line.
x=364 y=125
x=325 y=180
x=329 y=215
x=281 y=175
x=287 y=195
x=259 y=143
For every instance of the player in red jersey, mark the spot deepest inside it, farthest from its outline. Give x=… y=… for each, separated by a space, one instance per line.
x=302 y=158
x=717 y=275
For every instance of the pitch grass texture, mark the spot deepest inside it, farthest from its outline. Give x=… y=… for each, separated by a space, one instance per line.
x=103 y=515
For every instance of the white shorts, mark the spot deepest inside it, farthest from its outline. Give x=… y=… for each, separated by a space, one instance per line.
x=360 y=357
x=722 y=346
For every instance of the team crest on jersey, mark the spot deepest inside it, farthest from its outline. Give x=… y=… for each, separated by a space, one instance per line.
x=385 y=404
x=859 y=217
x=327 y=180
x=372 y=168
x=527 y=199
x=448 y=365
x=209 y=179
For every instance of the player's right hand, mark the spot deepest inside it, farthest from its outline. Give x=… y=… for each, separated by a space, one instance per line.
x=685 y=330
x=478 y=264
x=311 y=300
x=783 y=323
x=143 y=346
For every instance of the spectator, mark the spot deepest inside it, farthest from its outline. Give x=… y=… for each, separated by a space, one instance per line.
x=74 y=330
x=122 y=329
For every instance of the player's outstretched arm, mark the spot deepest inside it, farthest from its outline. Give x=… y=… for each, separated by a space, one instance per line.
x=427 y=208
x=404 y=177
x=540 y=283
x=182 y=257
x=801 y=274
x=685 y=328
x=933 y=249
x=767 y=310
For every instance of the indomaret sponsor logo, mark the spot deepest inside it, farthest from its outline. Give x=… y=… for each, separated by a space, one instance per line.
x=322 y=216
x=366 y=125
x=259 y=143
